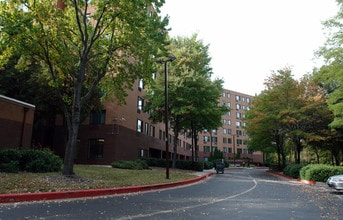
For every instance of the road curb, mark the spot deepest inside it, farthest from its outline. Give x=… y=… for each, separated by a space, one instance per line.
x=27 y=197
x=309 y=182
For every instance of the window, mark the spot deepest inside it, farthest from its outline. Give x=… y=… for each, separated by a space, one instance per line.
x=229 y=122
x=238 y=115
x=248 y=100
x=140 y=84
x=239 y=132
x=214 y=139
x=238 y=123
x=239 y=141
x=224 y=94
x=224 y=149
x=96 y=148
x=243 y=99
x=237 y=97
x=213 y=148
x=206 y=148
x=228 y=95
x=238 y=106
x=225 y=140
x=139 y=125
x=152 y=131
x=97 y=117
x=146 y=128
x=228 y=113
x=228 y=104
x=214 y=131
x=140 y=103
x=224 y=131
x=206 y=138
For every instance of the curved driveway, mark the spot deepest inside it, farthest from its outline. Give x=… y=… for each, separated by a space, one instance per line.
x=236 y=194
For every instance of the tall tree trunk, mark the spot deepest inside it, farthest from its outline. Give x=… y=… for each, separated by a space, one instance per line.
x=195 y=136
x=73 y=123
x=192 y=145
x=176 y=135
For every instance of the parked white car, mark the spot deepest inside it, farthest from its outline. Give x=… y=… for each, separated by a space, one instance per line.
x=335 y=182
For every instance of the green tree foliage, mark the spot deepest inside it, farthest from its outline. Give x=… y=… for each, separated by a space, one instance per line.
x=288 y=111
x=330 y=75
x=83 y=44
x=193 y=96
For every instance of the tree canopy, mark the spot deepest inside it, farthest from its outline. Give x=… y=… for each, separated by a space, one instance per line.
x=82 y=45
x=193 y=96
x=288 y=111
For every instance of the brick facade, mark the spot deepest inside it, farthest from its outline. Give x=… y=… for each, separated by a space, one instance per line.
x=122 y=132
x=16 y=122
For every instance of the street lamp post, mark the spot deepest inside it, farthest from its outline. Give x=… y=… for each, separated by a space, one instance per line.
x=171 y=58
x=234 y=150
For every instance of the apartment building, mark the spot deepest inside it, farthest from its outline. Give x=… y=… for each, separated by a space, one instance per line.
x=230 y=138
x=123 y=132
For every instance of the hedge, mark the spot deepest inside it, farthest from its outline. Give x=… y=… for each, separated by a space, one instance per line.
x=293 y=170
x=319 y=172
x=131 y=164
x=29 y=160
x=180 y=164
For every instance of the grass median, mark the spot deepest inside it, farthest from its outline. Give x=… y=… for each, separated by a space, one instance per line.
x=87 y=177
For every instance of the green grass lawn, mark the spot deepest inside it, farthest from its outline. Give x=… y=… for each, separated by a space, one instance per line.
x=87 y=177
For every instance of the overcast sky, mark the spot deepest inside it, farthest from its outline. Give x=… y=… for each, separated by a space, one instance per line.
x=250 y=38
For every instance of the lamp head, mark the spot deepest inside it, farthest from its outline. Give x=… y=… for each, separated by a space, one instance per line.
x=170 y=58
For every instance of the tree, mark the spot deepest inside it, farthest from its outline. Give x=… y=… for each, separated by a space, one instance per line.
x=329 y=76
x=81 y=45
x=193 y=96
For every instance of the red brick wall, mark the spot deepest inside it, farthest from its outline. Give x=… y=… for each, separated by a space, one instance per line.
x=16 y=122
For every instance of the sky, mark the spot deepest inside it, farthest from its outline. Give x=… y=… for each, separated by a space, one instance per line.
x=248 y=39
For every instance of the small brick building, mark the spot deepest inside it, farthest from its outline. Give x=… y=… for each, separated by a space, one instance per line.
x=16 y=122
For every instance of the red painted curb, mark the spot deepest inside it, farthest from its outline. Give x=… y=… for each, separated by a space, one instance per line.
x=310 y=182
x=26 y=197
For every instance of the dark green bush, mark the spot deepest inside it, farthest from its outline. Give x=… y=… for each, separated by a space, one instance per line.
x=208 y=165
x=131 y=164
x=180 y=164
x=38 y=161
x=319 y=172
x=293 y=170
x=155 y=162
x=189 y=165
x=9 y=167
x=9 y=155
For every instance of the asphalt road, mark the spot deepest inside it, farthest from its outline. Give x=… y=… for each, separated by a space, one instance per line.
x=236 y=194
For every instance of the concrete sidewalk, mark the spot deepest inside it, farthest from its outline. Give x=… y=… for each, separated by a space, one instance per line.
x=26 y=197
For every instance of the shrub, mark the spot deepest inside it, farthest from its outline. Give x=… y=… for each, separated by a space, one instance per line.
x=38 y=161
x=208 y=165
x=293 y=170
x=10 y=167
x=319 y=172
x=131 y=164
x=180 y=164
